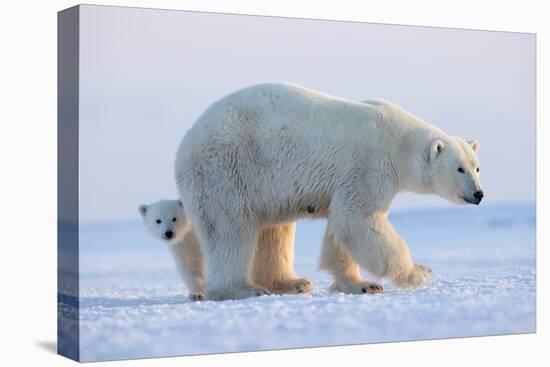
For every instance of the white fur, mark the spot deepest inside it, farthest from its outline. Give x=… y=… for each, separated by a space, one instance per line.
x=267 y=154
x=273 y=265
x=183 y=245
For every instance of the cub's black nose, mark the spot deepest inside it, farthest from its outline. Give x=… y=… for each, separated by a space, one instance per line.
x=168 y=234
x=478 y=195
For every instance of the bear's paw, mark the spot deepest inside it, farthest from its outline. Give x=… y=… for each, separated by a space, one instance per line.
x=420 y=276
x=293 y=286
x=196 y=296
x=364 y=287
x=236 y=292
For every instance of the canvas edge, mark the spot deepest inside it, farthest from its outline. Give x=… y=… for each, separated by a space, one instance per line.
x=68 y=333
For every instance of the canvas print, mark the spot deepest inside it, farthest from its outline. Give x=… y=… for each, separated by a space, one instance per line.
x=233 y=183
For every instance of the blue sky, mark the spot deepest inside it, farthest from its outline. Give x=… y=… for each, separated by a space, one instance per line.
x=146 y=75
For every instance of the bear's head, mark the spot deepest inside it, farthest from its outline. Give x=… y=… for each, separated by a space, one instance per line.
x=165 y=219
x=453 y=170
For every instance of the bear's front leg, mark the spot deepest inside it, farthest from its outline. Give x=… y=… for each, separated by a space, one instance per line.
x=190 y=263
x=273 y=264
x=375 y=245
x=345 y=271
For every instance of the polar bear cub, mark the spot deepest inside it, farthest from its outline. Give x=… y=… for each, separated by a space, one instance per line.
x=166 y=221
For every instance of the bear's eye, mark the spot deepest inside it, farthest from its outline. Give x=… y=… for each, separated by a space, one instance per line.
x=158 y=221
x=477 y=169
x=460 y=169
x=174 y=219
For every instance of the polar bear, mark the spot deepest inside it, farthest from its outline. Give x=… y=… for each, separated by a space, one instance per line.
x=166 y=220
x=269 y=154
x=273 y=266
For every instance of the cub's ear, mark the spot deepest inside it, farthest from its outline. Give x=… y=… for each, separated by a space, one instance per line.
x=474 y=144
x=180 y=203
x=142 y=210
x=436 y=149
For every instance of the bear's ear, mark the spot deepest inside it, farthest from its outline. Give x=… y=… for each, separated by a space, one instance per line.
x=142 y=210
x=180 y=203
x=436 y=149
x=474 y=144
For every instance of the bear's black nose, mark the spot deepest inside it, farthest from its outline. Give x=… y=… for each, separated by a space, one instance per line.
x=478 y=195
x=168 y=234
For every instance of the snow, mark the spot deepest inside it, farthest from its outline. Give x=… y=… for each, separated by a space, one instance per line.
x=133 y=305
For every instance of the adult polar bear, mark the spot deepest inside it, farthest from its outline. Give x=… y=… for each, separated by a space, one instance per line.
x=267 y=155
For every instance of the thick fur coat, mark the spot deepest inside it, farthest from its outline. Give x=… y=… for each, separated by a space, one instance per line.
x=269 y=154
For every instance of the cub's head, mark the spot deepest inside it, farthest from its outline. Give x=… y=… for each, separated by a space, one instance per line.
x=165 y=219
x=453 y=170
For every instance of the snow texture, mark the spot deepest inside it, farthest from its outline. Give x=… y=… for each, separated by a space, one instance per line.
x=133 y=305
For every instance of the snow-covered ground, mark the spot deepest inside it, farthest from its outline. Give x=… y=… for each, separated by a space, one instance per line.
x=132 y=303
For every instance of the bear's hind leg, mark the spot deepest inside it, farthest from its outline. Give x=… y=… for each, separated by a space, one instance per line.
x=273 y=263
x=228 y=256
x=344 y=270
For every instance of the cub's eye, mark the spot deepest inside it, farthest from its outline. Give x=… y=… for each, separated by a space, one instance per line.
x=477 y=169
x=174 y=219
x=460 y=169
x=158 y=221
